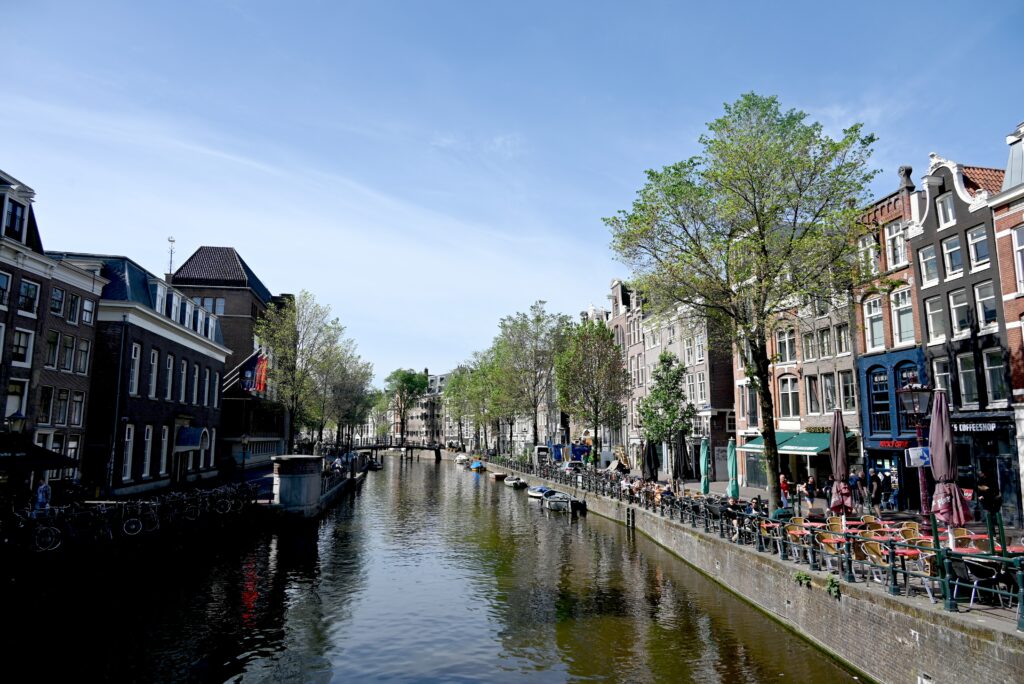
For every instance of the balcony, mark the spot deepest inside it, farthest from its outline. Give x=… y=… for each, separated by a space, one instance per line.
x=881 y=422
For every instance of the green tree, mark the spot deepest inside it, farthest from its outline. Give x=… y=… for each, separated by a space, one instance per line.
x=764 y=218
x=526 y=348
x=593 y=384
x=380 y=413
x=299 y=333
x=457 y=398
x=404 y=387
x=666 y=412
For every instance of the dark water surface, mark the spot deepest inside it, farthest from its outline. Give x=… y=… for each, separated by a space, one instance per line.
x=431 y=573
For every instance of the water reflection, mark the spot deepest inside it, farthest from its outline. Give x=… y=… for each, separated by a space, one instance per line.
x=431 y=573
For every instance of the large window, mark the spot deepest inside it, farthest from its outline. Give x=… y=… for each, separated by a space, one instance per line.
x=752 y=405
x=74 y=302
x=154 y=372
x=873 y=335
x=700 y=347
x=825 y=343
x=57 y=296
x=787 y=345
x=842 y=338
x=77 y=408
x=867 y=250
x=906 y=374
x=688 y=351
x=895 y=246
x=169 y=376
x=935 y=313
x=878 y=396
x=977 y=246
x=52 y=348
x=929 y=265
x=195 y=384
x=216 y=390
x=902 y=316
x=944 y=207
x=811 y=392
x=960 y=313
x=1018 y=256
x=182 y=380
x=82 y=357
x=126 y=459
x=810 y=345
x=828 y=391
x=941 y=373
x=45 y=405
x=163 y=450
x=133 y=370
x=67 y=353
x=952 y=256
x=789 y=399
x=63 y=400
x=21 y=348
x=702 y=388
x=968 y=379
x=147 y=449
x=88 y=311
x=28 y=297
x=691 y=387
x=985 y=298
x=849 y=394
x=995 y=375
x=5 y=287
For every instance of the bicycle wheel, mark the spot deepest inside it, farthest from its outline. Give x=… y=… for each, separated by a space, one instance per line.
x=222 y=506
x=132 y=526
x=192 y=513
x=47 y=538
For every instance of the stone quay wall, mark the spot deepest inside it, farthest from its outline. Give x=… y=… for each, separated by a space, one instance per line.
x=882 y=636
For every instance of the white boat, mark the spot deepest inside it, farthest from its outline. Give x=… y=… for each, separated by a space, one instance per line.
x=461 y=459
x=556 y=501
x=537 y=492
x=515 y=482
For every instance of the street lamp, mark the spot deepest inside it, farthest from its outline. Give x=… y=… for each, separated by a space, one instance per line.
x=16 y=422
x=245 y=453
x=916 y=401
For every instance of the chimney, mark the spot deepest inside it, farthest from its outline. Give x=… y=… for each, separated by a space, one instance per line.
x=905 y=182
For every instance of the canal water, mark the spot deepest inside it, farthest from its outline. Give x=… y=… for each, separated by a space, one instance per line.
x=430 y=574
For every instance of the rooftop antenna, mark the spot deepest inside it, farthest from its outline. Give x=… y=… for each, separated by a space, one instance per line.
x=170 y=252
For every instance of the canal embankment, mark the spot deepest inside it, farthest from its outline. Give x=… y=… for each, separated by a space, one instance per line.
x=887 y=638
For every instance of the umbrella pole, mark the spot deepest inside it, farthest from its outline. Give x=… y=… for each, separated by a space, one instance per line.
x=1002 y=532
x=991 y=532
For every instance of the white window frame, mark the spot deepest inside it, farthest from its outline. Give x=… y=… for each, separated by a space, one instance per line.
x=810 y=345
x=164 y=432
x=988 y=375
x=59 y=313
x=956 y=331
x=147 y=449
x=216 y=390
x=206 y=387
x=213 y=445
x=133 y=370
x=972 y=372
x=183 y=376
x=825 y=340
x=895 y=244
x=922 y=258
x=898 y=333
x=847 y=392
x=1018 y=256
x=842 y=332
x=786 y=340
x=83 y=355
x=126 y=453
x=168 y=391
x=88 y=311
x=978 y=236
x=867 y=253
x=789 y=398
x=947 y=253
x=78 y=420
x=5 y=293
x=936 y=375
x=980 y=307
x=195 y=384
x=700 y=347
x=933 y=315
x=945 y=211
x=688 y=351
x=74 y=304
x=67 y=360
x=873 y=310
x=812 y=395
x=826 y=379
x=30 y=348
x=154 y=372
x=30 y=313
x=702 y=388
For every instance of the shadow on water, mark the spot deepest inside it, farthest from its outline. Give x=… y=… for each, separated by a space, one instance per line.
x=430 y=573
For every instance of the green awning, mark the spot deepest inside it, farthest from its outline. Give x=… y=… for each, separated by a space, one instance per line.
x=807 y=443
x=757 y=444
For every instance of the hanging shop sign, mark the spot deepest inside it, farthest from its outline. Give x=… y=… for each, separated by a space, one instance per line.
x=974 y=427
x=894 y=444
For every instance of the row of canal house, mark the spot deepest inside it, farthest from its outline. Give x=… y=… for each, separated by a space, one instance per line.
x=121 y=370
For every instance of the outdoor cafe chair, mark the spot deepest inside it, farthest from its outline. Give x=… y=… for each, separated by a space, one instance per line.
x=909 y=533
x=872 y=525
x=834 y=519
x=926 y=565
x=831 y=549
x=798 y=521
x=797 y=535
x=911 y=525
x=979 y=574
x=836 y=527
x=868 y=518
x=879 y=562
x=961 y=537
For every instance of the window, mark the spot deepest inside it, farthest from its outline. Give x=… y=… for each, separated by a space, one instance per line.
x=787 y=345
x=936 y=315
x=895 y=245
x=67 y=353
x=21 y=348
x=163 y=450
x=77 y=408
x=45 y=405
x=873 y=324
x=952 y=257
x=849 y=395
x=702 y=389
x=72 y=453
x=28 y=297
x=688 y=351
x=809 y=345
x=941 y=368
x=52 y=348
x=811 y=392
x=195 y=383
x=995 y=376
x=133 y=370
x=691 y=388
x=878 y=396
x=218 y=307
x=206 y=387
x=5 y=287
x=968 y=379
x=74 y=301
x=977 y=246
x=906 y=374
x=842 y=338
x=867 y=252
x=15 y=226
x=1018 y=258
x=126 y=458
x=985 y=298
x=57 y=301
x=63 y=397
x=752 y=406
x=825 y=342
x=213 y=446
x=82 y=358
x=789 y=405
x=147 y=448
x=828 y=391
x=700 y=348
x=182 y=380
x=902 y=316
x=216 y=390
x=929 y=266
x=169 y=377
x=154 y=372
x=88 y=309
x=960 y=313
x=944 y=207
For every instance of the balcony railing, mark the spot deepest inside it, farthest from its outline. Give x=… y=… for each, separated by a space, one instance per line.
x=881 y=422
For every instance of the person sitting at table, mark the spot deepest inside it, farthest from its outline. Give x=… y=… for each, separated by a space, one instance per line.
x=731 y=511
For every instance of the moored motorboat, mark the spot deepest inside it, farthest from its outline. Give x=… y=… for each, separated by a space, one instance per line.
x=536 y=492
x=556 y=501
x=461 y=459
x=498 y=477
x=515 y=482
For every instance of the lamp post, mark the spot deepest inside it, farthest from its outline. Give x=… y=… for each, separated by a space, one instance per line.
x=16 y=422
x=916 y=401
x=245 y=453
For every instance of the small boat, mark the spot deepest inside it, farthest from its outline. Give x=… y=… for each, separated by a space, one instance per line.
x=477 y=466
x=537 y=492
x=556 y=501
x=515 y=482
x=498 y=477
x=461 y=459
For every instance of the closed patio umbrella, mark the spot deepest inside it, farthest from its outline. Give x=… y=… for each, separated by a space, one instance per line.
x=677 y=462
x=842 y=498
x=648 y=467
x=734 y=485
x=705 y=486
x=948 y=501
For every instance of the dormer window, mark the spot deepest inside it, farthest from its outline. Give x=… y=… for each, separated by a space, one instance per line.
x=946 y=212
x=14 y=226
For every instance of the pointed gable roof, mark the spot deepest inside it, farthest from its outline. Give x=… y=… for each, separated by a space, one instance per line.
x=220 y=266
x=980 y=178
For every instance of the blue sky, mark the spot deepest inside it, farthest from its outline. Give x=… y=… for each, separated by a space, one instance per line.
x=428 y=167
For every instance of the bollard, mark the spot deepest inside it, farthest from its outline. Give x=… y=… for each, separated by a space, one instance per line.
x=1020 y=594
x=848 y=557
x=949 y=603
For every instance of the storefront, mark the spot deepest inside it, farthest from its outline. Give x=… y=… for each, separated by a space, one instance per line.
x=753 y=472
x=986 y=442
x=890 y=455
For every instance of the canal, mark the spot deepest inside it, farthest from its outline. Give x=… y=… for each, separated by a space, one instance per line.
x=430 y=573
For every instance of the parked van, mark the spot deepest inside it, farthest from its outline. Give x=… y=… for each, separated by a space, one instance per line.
x=541 y=455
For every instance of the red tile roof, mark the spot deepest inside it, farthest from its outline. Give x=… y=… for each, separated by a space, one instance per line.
x=981 y=178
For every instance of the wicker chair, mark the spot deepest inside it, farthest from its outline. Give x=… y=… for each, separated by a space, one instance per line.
x=831 y=550
x=879 y=561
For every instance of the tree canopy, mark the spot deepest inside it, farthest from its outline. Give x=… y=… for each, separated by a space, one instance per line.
x=404 y=387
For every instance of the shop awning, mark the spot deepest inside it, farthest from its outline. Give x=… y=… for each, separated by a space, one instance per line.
x=757 y=444
x=190 y=438
x=807 y=443
x=19 y=454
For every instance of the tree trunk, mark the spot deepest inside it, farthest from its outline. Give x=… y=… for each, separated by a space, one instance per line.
x=771 y=450
x=535 y=414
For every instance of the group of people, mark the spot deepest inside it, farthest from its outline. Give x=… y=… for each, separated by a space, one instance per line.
x=870 y=490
